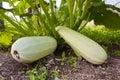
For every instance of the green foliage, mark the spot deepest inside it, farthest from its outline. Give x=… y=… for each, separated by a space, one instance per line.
x=117 y=52
x=97 y=2
x=106 y=15
x=45 y=16
x=63 y=57
x=55 y=74
x=5 y=39
x=21 y=7
x=71 y=60
x=38 y=73
x=102 y=35
x=34 y=75
x=105 y=48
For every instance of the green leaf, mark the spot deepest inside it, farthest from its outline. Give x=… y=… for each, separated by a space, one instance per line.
x=70 y=9
x=97 y=2
x=5 y=38
x=63 y=54
x=21 y=7
x=4 y=0
x=5 y=10
x=106 y=15
x=85 y=8
x=117 y=52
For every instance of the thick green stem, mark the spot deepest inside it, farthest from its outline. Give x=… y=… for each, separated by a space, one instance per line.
x=70 y=8
x=46 y=26
x=84 y=24
x=74 y=8
x=53 y=12
x=49 y=21
x=85 y=9
x=16 y=25
x=79 y=5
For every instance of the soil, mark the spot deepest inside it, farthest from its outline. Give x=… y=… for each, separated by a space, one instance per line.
x=110 y=70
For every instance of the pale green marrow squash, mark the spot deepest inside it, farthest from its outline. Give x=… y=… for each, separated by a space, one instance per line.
x=30 y=49
x=82 y=45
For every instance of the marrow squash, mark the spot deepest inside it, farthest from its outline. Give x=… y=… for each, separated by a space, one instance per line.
x=30 y=49
x=82 y=45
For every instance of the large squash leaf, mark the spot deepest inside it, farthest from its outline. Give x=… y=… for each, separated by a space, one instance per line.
x=96 y=2
x=106 y=15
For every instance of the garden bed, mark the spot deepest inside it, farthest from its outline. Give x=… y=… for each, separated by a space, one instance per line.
x=55 y=67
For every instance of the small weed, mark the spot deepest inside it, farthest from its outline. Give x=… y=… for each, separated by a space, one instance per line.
x=35 y=75
x=73 y=61
x=55 y=74
x=117 y=52
x=63 y=77
x=62 y=63
x=63 y=55
x=63 y=59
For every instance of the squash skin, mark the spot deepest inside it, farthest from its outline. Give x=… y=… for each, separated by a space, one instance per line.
x=82 y=45
x=30 y=49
